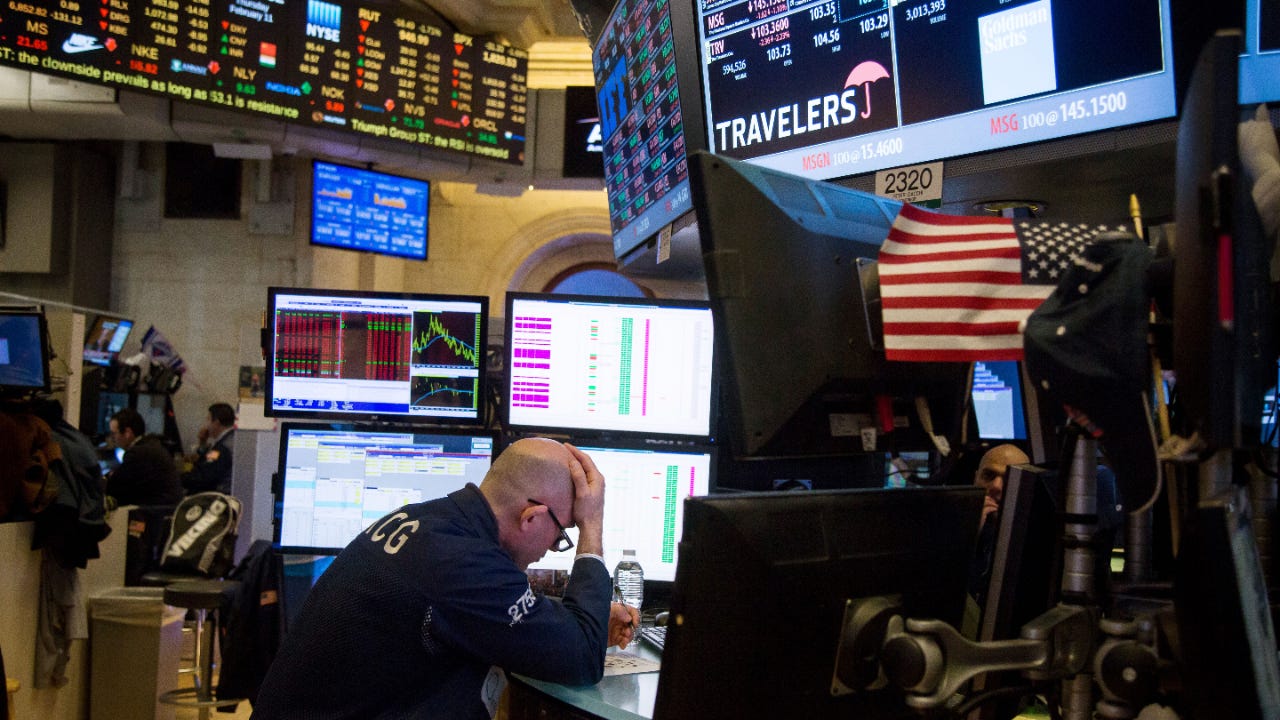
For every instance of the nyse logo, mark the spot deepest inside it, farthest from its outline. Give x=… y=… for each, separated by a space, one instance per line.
x=324 y=20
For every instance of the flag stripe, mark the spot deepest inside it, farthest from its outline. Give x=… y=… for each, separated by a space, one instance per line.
x=907 y=254
x=955 y=355
x=955 y=315
x=957 y=342
x=903 y=329
x=991 y=277
x=1002 y=292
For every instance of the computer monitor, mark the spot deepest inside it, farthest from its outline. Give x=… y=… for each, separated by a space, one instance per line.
x=646 y=77
x=24 y=352
x=644 y=505
x=1260 y=63
x=802 y=371
x=834 y=89
x=109 y=403
x=335 y=480
x=360 y=209
x=761 y=589
x=996 y=394
x=398 y=357
x=153 y=407
x=105 y=339
x=593 y=366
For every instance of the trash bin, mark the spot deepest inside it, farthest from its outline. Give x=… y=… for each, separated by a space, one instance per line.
x=135 y=645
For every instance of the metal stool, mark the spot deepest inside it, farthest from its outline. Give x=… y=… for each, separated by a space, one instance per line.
x=206 y=598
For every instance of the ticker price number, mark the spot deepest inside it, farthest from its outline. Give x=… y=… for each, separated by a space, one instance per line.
x=924 y=10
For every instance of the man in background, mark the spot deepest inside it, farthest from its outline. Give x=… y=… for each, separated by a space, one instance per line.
x=991 y=474
x=148 y=474
x=211 y=463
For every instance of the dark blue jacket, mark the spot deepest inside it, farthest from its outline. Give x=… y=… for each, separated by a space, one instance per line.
x=413 y=615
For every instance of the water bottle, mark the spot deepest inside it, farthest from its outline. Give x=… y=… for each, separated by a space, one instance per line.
x=628 y=578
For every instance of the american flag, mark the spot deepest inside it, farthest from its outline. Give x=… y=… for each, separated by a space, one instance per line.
x=955 y=289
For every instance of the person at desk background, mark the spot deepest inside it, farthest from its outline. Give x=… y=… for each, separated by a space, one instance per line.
x=422 y=612
x=990 y=476
x=148 y=474
x=211 y=463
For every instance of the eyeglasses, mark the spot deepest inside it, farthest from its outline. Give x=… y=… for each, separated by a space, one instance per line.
x=563 y=542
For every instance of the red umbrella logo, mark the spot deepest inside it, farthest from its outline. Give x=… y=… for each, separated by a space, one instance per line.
x=864 y=74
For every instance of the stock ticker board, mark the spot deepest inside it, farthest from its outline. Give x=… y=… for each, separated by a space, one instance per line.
x=371 y=67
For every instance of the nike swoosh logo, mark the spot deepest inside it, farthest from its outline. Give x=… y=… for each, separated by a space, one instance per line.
x=71 y=46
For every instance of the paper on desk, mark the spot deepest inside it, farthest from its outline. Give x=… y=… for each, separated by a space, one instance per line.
x=621 y=662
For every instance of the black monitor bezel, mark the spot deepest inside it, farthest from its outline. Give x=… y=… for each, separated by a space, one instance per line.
x=45 y=353
x=268 y=348
x=813 y=538
x=277 y=488
x=595 y=434
x=311 y=217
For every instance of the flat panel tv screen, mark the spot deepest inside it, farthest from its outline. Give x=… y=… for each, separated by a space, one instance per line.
x=24 y=360
x=831 y=89
x=334 y=482
x=644 y=506
x=371 y=68
x=356 y=209
x=639 y=62
x=105 y=339
x=401 y=357
x=595 y=366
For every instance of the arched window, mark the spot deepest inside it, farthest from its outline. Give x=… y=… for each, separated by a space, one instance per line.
x=595 y=279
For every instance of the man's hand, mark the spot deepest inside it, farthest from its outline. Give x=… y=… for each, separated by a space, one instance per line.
x=588 y=502
x=623 y=621
x=990 y=506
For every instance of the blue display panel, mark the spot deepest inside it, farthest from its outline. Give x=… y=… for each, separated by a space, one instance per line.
x=997 y=401
x=375 y=212
x=1260 y=64
x=335 y=481
x=24 y=362
x=830 y=88
x=645 y=171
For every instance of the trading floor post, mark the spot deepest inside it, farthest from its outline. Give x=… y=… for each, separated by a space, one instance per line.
x=1078 y=566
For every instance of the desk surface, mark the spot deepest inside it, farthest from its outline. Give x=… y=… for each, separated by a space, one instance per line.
x=616 y=697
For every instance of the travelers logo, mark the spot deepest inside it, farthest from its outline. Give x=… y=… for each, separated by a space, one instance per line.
x=812 y=115
x=864 y=74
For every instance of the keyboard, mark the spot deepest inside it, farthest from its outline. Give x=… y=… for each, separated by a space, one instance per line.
x=654 y=635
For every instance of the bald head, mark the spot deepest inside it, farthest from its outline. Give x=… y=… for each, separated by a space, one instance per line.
x=995 y=465
x=530 y=468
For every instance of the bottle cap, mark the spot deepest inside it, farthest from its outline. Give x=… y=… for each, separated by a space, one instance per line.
x=628 y=553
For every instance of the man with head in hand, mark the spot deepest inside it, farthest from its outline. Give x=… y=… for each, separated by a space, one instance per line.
x=420 y=615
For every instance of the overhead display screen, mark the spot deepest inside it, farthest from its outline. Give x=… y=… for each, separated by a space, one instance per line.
x=372 y=67
x=831 y=88
x=645 y=171
x=358 y=209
